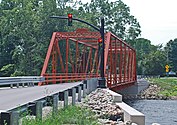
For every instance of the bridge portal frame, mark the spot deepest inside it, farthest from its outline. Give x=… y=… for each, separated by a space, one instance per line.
x=119 y=60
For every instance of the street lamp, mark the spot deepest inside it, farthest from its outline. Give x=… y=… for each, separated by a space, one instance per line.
x=102 y=80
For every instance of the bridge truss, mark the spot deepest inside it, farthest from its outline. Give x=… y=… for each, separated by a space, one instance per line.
x=74 y=56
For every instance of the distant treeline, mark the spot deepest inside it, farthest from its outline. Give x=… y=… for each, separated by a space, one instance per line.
x=26 y=29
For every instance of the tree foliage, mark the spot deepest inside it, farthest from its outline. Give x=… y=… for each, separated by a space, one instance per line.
x=151 y=59
x=171 y=51
x=117 y=18
x=26 y=29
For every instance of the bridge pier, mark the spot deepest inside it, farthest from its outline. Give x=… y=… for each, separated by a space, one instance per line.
x=135 y=89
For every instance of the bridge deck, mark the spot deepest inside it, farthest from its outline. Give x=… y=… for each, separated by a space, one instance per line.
x=12 y=98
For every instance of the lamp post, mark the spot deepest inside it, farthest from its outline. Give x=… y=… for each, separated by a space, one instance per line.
x=102 y=80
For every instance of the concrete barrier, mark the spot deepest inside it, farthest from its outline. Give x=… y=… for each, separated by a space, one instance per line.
x=116 y=97
x=130 y=114
x=91 y=84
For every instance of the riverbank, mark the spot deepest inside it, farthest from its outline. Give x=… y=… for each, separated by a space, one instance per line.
x=161 y=89
x=101 y=103
x=97 y=108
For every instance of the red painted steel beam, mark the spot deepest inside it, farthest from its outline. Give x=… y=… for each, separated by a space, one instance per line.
x=135 y=65
x=125 y=63
x=115 y=64
x=88 y=60
x=107 y=43
x=122 y=86
x=48 y=54
x=122 y=41
x=71 y=61
x=94 y=61
x=120 y=63
x=77 y=52
x=60 y=57
x=67 y=52
x=86 y=44
x=78 y=35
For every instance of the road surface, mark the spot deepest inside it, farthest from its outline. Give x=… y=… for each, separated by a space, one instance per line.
x=11 y=98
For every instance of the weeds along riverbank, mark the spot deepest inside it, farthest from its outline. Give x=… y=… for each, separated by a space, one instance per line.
x=161 y=88
x=70 y=115
x=97 y=108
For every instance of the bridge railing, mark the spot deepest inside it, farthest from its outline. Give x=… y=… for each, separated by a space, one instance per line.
x=20 y=80
x=67 y=77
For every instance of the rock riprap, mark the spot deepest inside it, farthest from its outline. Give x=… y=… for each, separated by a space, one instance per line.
x=152 y=92
x=101 y=102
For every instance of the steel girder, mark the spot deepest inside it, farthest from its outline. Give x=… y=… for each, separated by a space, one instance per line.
x=76 y=56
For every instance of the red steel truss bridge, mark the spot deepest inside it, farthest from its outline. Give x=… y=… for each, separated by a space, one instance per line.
x=75 y=56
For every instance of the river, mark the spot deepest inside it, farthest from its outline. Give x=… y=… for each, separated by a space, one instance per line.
x=163 y=112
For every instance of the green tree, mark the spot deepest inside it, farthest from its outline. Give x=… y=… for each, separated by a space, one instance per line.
x=117 y=18
x=171 y=51
x=143 y=48
x=154 y=63
x=26 y=29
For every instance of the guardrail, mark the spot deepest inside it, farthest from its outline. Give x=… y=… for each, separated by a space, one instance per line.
x=13 y=116
x=30 y=80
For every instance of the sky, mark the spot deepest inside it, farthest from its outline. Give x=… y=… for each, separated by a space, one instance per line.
x=157 y=18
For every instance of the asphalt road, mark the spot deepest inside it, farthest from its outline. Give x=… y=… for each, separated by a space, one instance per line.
x=12 y=98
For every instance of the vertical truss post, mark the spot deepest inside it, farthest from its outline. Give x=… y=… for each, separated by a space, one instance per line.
x=120 y=63
x=88 y=60
x=131 y=66
x=84 y=58
x=125 y=60
x=128 y=74
x=135 y=65
x=67 y=52
x=54 y=63
x=94 y=60
x=61 y=60
x=110 y=65
x=77 y=51
x=70 y=57
x=91 y=63
x=115 y=62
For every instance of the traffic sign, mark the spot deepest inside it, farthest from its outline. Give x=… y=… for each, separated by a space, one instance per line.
x=167 y=68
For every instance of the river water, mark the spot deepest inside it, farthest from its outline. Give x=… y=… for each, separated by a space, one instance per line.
x=163 y=112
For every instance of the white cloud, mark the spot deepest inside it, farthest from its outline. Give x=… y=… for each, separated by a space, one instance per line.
x=157 y=18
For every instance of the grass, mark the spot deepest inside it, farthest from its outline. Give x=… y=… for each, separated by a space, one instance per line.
x=168 y=85
x=71 y=115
